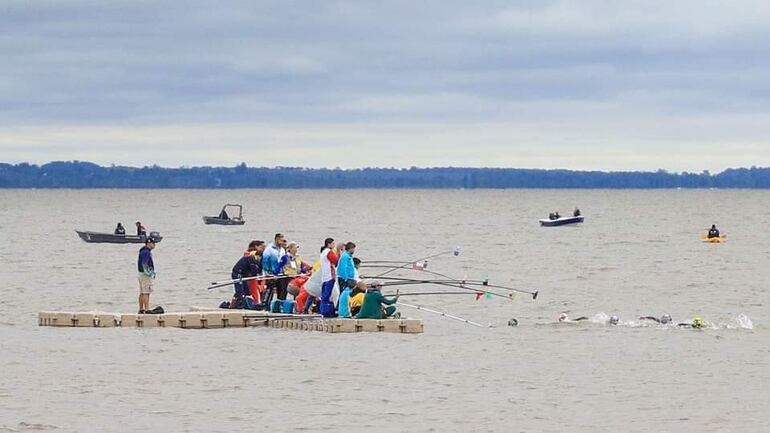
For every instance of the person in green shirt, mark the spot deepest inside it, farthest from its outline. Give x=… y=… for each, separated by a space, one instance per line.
x=373 y=308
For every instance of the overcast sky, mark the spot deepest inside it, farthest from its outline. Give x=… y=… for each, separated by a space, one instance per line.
x=606 y=85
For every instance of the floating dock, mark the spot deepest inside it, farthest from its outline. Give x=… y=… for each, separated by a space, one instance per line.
x=227 y=319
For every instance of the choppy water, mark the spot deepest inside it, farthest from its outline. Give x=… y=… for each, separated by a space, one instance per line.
x=638 y=253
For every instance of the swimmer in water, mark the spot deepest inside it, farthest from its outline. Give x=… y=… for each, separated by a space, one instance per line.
x=664 y=319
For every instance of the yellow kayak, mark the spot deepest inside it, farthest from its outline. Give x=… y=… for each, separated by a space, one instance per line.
x=720 y=239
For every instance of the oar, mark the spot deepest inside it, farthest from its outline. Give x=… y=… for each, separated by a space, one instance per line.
x=466 y=293
x=217 y=284
x=455 y=251
x=440 y=313
x=459 y=284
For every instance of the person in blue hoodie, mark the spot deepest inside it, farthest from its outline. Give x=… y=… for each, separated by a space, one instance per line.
x=346 y=268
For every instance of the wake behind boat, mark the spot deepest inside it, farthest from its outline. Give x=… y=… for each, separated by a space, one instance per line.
x=111 y=238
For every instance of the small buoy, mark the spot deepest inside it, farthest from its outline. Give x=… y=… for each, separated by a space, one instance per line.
x=513 y=322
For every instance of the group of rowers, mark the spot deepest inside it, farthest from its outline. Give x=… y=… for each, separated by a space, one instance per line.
x=330 y=286
x=665 y=319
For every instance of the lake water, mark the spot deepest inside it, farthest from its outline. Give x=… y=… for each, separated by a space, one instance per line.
x=638 y=253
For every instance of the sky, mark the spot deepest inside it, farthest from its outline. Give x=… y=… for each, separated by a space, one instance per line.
x=584 y=85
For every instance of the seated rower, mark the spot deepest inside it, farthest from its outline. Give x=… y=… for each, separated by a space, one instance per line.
x=120 y=230
x=372 y=307
x=247 y=266
x=713 y=232
x=664 y=319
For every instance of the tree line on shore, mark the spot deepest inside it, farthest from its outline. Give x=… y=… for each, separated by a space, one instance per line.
x=79 y=174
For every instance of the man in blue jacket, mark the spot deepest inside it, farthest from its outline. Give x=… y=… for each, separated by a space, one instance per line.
x=146 y=269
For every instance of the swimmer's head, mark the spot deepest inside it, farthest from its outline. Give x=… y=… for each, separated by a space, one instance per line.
x=563 y=317
x=698 y=323
x=666 y=318
x=614 y=320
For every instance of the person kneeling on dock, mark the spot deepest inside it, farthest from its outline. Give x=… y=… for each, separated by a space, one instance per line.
x=373 y=306
x=247 y=266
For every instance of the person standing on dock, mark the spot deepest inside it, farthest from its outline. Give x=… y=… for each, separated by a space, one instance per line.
x=328 y=261
x=346 y=269
x=270 y=258
x=146 y=269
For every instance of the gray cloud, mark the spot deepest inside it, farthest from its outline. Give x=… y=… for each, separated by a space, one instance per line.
x=591 y=84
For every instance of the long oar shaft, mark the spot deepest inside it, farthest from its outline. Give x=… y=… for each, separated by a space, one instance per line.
x=215 y=285
x=448 y=283
x=457 y=283
x=455 y=251
x=441 y=313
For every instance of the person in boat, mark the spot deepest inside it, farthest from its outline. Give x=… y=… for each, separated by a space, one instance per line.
x=697 y=323
x=146 y=269
x=328 y=259
x=247 y=266
x=576 y=213
x=346 y=269
x=223 y=215
x=374 y=303
x=140 y=230
x=713 y=231
x=663 y=320
x=551 y=216
x=270 y=258
x=556 y=215
x=120 y=230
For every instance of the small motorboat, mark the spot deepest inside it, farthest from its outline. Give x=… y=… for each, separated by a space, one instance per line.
x=547 y=222
x=112 y=238
x=225 y=219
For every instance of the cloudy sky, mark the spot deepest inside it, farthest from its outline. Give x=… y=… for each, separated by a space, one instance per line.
x=587 y=84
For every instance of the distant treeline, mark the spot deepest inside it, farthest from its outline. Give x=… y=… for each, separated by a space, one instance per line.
x=77 y=174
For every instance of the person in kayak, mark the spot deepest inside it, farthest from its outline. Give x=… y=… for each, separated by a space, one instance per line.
x=373 y=306
x=120 y=230
x=713 y=232
x=663 y=320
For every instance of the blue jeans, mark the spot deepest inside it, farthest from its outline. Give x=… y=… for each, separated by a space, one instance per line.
x=239 y=286
x=327 y=307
